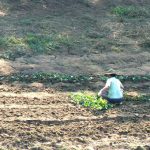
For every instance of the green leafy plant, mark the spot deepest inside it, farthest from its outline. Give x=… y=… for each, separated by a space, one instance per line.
x=90 y=101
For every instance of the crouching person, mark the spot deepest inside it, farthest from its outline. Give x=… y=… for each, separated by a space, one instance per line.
x=113 y=89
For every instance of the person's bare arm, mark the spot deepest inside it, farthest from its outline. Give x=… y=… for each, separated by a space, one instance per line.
x=121 y=85
x=105 y=88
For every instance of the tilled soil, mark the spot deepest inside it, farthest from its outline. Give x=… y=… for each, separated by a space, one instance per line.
x=46 y=119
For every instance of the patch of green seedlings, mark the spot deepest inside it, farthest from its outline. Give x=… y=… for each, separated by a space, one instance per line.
x=90 y=101
x=58 y=77
x=130 y=11
x=47 y=77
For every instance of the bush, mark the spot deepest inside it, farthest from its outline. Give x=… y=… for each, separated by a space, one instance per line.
x=41 y=43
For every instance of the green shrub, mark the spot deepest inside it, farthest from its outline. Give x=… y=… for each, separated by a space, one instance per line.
x=41 y=43
x=46 y=44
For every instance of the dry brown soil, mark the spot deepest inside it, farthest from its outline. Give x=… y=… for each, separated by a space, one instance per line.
x=38 y=117
x=42 y=117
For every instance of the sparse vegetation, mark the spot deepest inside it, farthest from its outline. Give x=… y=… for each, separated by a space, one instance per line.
x=37 y=44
